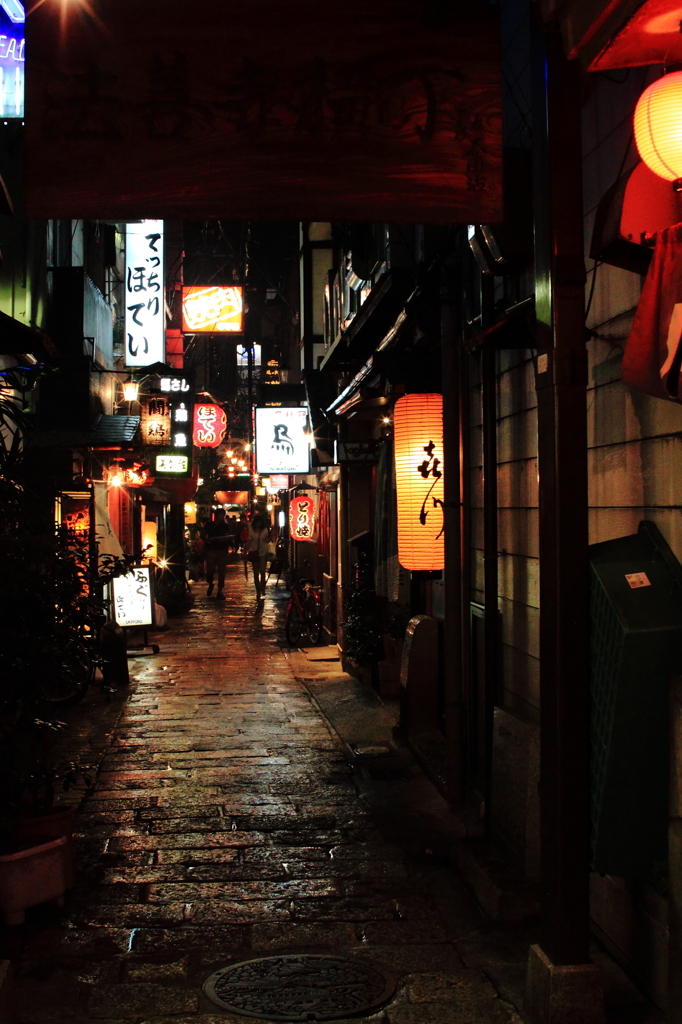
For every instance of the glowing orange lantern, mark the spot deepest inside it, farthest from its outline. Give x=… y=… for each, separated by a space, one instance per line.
x=418 y=436
x=138 y=475
x=210 y=424
x=302 y=517
x=658 y=128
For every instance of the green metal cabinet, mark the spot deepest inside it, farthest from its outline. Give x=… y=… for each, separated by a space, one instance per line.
x=636 y=645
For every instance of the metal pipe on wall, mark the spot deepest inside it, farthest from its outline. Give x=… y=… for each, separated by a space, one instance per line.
x=491 y=628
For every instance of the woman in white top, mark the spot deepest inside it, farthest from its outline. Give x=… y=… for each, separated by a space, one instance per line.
x=259 y=538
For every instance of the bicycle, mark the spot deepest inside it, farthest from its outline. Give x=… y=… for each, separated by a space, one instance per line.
x=304 y=613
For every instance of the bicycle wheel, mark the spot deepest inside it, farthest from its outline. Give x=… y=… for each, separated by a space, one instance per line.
x=69 y=681
x=294 y=623
x=313 y=614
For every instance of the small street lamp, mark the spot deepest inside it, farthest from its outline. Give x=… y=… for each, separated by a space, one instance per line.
x=130 y=390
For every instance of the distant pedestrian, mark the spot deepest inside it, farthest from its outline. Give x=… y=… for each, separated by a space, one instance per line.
x=259 y=540
x=197 y=555
x=216 y=539
x=244 y=544
x=233 y=524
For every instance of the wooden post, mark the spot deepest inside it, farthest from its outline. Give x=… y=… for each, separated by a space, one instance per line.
x=561 y=979
x=675 y=857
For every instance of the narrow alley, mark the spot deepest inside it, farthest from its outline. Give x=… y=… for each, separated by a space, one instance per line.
x=226 y=824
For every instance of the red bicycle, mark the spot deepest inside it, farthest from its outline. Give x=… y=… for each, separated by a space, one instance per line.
x=304 y=613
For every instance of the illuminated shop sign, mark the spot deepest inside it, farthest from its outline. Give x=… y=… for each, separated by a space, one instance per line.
x=12 y=60
x=278 y=482
x=210 y=424
x=302 y=517
x=281 y=441
x=167 y=423
x=217 y=310
x=145 y=316
x=155 y=420
x=133 y=601
x=176 y=464
x=174 y=384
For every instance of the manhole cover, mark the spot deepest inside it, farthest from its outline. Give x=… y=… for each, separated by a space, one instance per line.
x=303 y=987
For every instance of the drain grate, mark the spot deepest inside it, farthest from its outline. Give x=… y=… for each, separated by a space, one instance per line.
x=301 y=987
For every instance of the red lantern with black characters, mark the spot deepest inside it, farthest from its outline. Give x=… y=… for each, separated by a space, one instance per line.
x=210 y=425
x=302 y=517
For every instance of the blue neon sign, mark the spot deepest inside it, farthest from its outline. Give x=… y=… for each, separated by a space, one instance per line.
x=12 y=58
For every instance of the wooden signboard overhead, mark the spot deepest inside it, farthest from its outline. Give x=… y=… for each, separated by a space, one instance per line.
x=379 y=110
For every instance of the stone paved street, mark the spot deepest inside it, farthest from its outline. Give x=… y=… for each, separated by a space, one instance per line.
x=226 y=823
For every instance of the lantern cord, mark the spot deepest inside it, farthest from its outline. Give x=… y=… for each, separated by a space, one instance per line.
x=595 y=268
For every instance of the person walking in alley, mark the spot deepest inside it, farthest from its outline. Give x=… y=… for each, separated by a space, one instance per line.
x=243 y=536
x=216 y=538
x=259 y=539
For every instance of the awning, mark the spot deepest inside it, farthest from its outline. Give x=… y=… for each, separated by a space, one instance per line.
x=107 y=433
x=608 y=34
x=172 y=491
x=370 y=326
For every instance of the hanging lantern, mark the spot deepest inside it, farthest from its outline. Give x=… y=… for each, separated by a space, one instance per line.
x=658 y=128
x=138 y=475
x=418 y=434
x=302 y=517
x=130 y=390
x=210 y=424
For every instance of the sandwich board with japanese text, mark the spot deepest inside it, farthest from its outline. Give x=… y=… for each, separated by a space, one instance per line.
x=133 y=597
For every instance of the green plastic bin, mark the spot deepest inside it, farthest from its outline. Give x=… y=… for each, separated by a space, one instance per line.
x=636 y=646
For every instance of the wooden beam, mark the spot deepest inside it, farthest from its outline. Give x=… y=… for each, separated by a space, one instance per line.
x=562 y=434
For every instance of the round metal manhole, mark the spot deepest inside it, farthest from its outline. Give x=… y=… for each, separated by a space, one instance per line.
x=301 y=987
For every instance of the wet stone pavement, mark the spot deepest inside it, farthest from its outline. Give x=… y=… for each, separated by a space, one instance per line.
x=225 y=823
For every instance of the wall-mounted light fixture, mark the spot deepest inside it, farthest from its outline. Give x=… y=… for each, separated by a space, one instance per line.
x=658 y=127
x=130 y=390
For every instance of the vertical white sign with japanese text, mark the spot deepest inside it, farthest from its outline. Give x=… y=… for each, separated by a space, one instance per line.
x=145 y=319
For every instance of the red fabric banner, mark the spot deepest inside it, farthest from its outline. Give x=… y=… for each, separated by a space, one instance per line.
x=653 y=353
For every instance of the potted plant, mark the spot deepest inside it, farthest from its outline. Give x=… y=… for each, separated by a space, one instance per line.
x=48 y=591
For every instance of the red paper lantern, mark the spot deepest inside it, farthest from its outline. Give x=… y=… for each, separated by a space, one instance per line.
x=418 y=437
x=210 y=424
x=302 y=517
x=658 y=127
